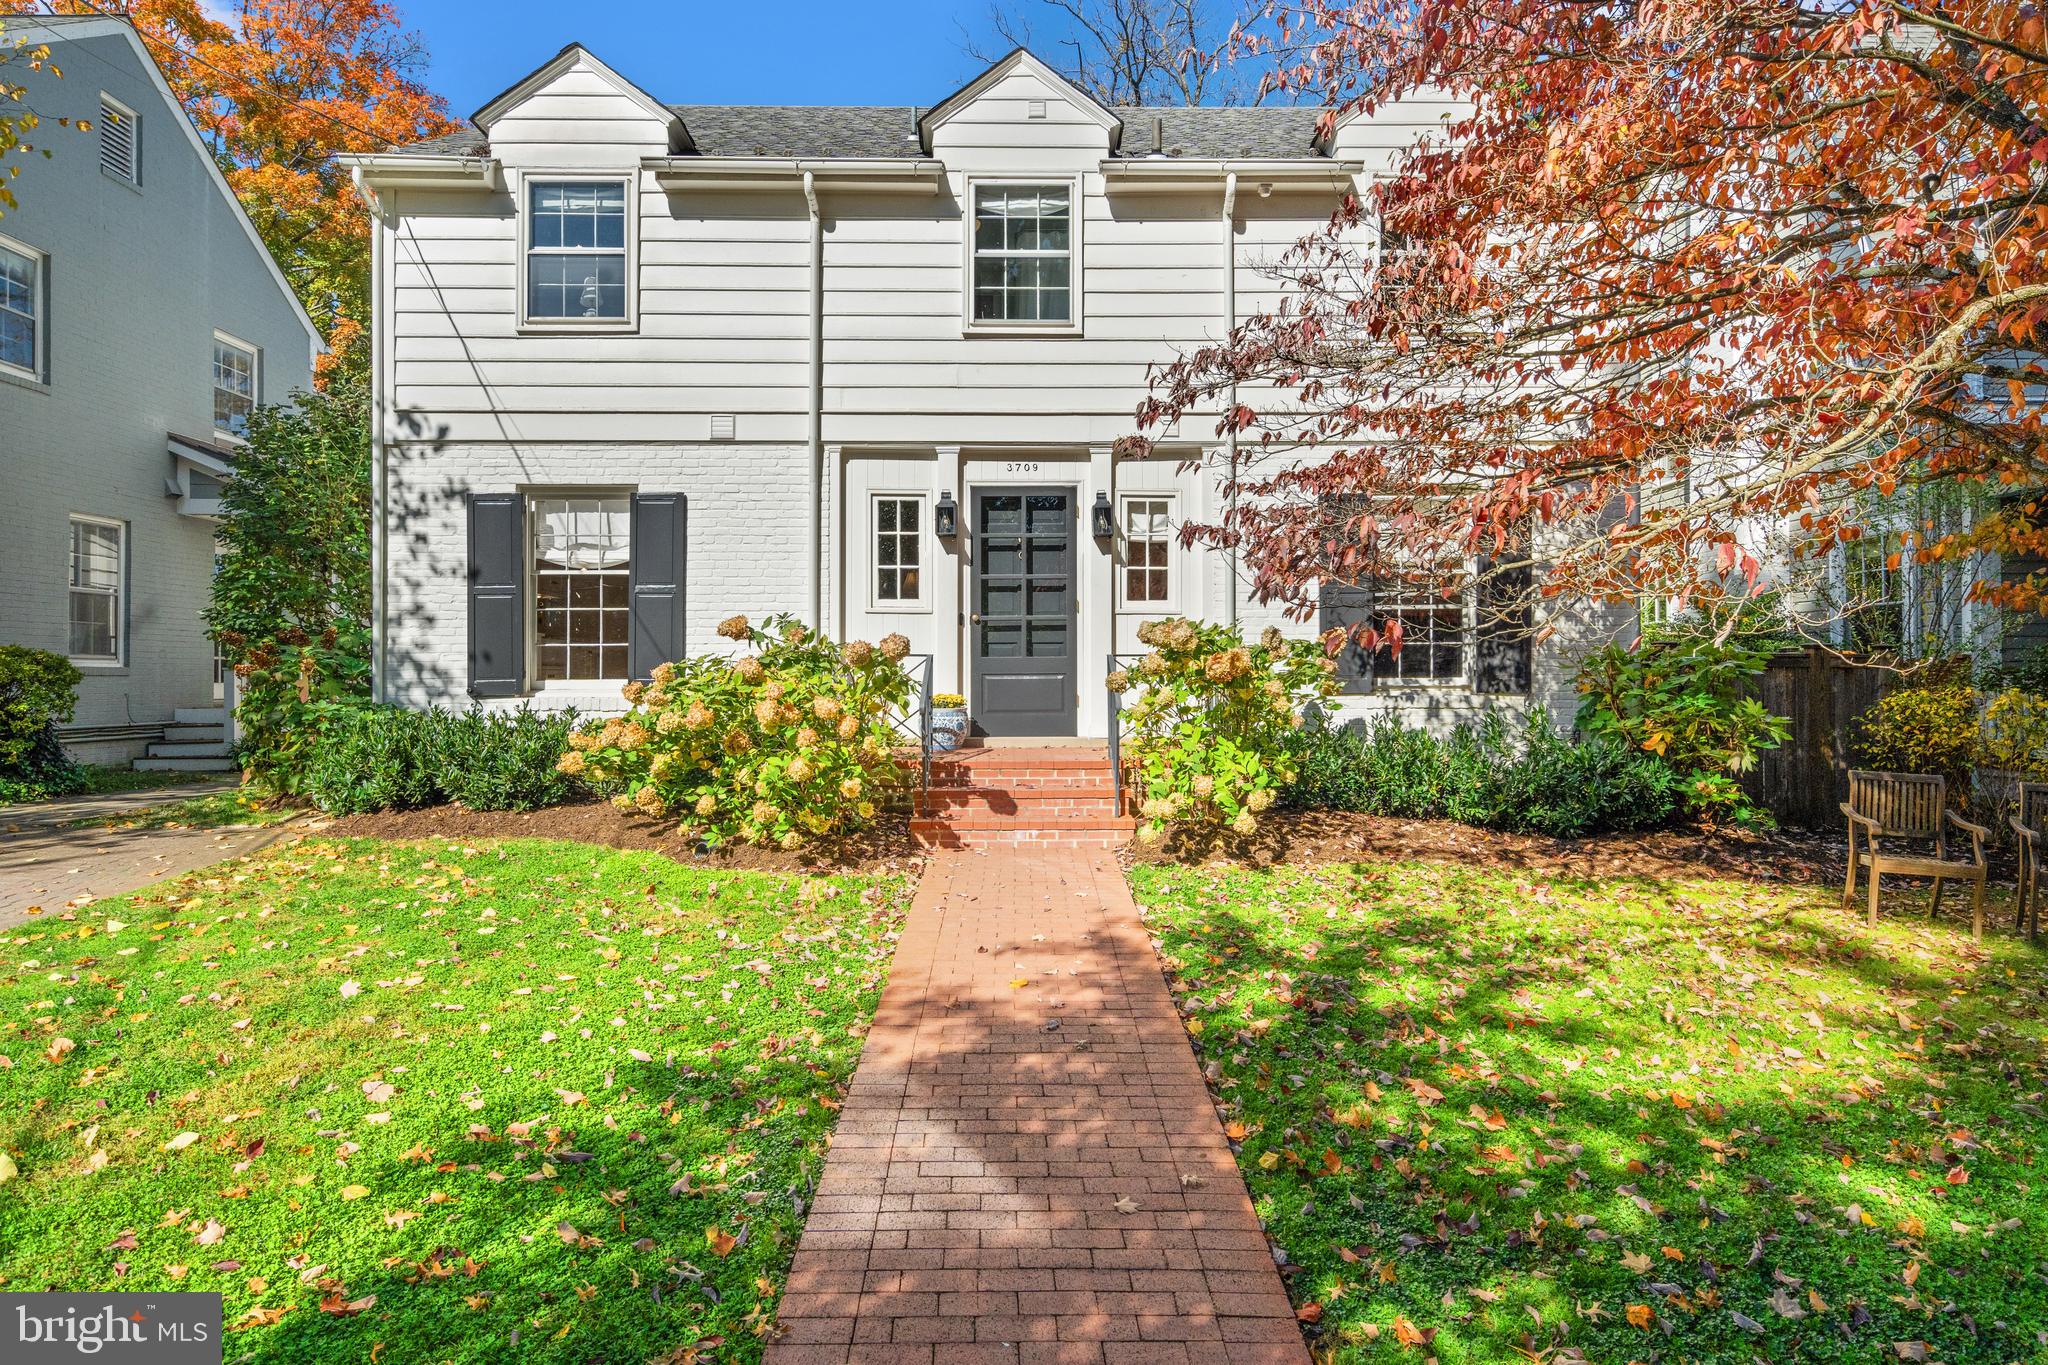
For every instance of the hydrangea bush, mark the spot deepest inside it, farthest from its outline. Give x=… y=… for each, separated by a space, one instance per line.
x=786 y=744
x=1209 y=718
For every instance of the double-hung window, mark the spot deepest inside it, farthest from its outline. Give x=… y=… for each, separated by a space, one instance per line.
x=1023 y=258
x=98 y=582
x=582 y=572
x=577 y=247
x=21 y=310
x=235 y=378
x=899 y=551
x=1148 y=548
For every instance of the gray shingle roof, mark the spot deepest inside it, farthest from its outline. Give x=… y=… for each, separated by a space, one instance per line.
x=826 y=131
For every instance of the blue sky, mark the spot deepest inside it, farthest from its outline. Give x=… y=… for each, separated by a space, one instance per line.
x=693 y=52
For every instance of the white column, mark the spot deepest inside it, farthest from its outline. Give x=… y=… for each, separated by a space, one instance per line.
x=1096 y=583
x=949 y=672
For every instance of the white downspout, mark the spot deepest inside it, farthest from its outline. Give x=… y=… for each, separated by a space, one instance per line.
x=380 y=538
x=814 y=528
x=1229 y=324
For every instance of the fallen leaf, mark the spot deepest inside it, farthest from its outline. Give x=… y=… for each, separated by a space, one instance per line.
x=351 y=1193
x=721 y=1242
x=181 y=1142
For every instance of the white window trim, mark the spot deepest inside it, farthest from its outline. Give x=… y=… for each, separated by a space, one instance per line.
x=1077 y=206
x=1171 y=605
x=134 y=122
x=255 y=380
x=523 y=213
x=119 y=658
x=603 y=691
x=926 y=542
x=37 y=372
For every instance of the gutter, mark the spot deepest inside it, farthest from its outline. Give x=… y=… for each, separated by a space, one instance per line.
x=874 y=175
x=1169 y=174
x=380 y=481
x=424 y=172
x=814 y=537
x=1230 y=325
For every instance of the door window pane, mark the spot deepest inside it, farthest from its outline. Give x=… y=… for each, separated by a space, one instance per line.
x=582 y=578
x=1146 y=538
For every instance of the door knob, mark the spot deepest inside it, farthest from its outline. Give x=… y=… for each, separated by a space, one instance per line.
x=975 y=617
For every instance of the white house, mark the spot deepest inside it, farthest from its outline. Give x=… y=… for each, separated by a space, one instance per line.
x=141 y=321
x=643 y=366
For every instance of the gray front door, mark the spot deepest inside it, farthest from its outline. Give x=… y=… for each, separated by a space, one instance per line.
x=1024 y=611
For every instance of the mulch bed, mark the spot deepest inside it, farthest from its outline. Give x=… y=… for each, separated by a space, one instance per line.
x=1306 y=837
x=886 y=847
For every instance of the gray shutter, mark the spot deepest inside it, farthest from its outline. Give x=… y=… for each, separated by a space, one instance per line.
x=1341 y=604
x=660 y=542
x=1500 y=662
x=497 y=594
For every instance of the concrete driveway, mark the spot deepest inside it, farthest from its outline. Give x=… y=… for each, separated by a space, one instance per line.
x=47 y=859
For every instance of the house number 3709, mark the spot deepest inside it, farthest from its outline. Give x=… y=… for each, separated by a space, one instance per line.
x=1021 y=467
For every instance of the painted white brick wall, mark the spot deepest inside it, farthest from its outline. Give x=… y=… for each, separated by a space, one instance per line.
x=746 y=545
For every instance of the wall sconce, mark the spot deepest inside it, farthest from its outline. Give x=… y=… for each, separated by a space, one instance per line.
x=1101 y=519
x=946 y=516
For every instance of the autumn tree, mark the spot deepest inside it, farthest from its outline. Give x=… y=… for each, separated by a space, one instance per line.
x=1691 y=294
x=1123 y=52
x=277 y=87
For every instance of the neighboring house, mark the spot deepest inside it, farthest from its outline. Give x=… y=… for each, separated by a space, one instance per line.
x=642 y=366
x=141 y=319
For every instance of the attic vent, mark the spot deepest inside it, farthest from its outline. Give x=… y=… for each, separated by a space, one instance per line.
x=1034 y=109
x=117 y=142
x=721 y=426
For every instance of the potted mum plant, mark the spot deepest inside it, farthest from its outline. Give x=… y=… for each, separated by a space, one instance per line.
x=949 y=721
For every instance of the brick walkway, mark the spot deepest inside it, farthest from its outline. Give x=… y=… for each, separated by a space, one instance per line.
x=970 y=1208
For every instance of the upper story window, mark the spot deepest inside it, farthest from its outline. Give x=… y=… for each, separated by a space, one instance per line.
x=120 y=141
x=577 y=237
x=235 y=367
x=98 y=574
x=21 y=309
x=1024 y=254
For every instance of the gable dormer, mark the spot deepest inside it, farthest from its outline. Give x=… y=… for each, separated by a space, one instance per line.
x=577 y=111
x=1019 y=112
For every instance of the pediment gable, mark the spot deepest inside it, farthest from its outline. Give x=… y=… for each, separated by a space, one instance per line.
x=1019 y=61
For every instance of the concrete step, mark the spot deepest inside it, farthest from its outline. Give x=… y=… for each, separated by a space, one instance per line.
x=199 y=715
x=970 y=831
x=185 y=765
x=190 y=748
x=195 y=734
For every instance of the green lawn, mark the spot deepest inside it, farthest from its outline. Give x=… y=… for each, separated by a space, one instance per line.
x=1510 y=1116
x=215 y=810
x=532 y=1101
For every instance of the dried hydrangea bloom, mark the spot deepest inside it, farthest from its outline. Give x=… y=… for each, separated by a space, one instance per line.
x=806 y=738
x=790 y=841
x=1155 y=809
x=1148 y=633
x=764 y=814
x=663 y=672
x=1181 y=635
x=737 y=742
x=1261 y=799
x=698 y=716
x=826 y=708
x=583 y=739
x=1205 y=786
x=750 y=672
x=794 y=634
x=857 y=653
x=1272 y=639
x=632 y=690
x=895 y=646
x=850 y=788
x=570 y=763
x=632 y=735
x=866 y=809
x=649 y=800
x=767 y=712
x=801 y=770
x=1245 y=823
x=668 y=722
x=707 y=804
x=735 y=628
x=1151 y=834
x=622 y=802
x=848 y=727
x=1119 y=681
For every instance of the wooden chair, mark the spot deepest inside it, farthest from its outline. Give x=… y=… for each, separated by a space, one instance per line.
x=1910 y=806
x=2030 y=827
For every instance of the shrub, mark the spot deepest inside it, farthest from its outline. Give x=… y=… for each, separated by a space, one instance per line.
x=1544 y=785
x=38 y=693
x=780 y=746
x=1210 y=717
x=1687 y=701
x=357 y=757
x=285 y=686
x=2012 y=733
x=1922 y=730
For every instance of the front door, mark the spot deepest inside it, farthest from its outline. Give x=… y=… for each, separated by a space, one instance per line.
x=1023 y=615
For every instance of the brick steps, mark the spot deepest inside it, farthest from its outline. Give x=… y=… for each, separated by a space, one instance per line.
x=1036 y=797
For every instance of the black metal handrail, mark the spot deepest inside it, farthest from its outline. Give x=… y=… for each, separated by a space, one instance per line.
x=915 y=723
x=1116 y=726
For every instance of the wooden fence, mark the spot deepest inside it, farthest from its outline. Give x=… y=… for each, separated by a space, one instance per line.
x=1804 y=781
